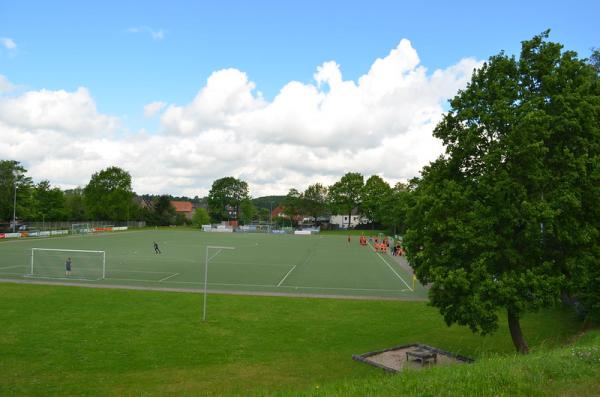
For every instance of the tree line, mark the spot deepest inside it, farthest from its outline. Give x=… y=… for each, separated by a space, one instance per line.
x=108 y=196
x=375 y=199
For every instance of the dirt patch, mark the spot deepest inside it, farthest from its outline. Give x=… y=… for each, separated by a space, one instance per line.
x=415 y=356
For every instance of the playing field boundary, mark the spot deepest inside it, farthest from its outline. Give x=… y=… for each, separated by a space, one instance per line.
x=217 y=292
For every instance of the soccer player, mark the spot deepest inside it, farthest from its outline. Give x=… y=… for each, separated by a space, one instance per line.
x=156 y=249
x=68 y=267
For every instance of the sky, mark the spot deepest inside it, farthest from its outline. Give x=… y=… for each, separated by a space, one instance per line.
x=280 y=94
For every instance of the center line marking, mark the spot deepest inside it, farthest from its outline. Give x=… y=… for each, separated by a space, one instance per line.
x=287 y=274
x=168 y=277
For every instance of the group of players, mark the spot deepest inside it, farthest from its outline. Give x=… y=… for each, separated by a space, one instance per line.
x=380 y=245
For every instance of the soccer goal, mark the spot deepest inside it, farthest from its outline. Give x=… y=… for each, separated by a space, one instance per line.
x=81 y=228
x=51 y=263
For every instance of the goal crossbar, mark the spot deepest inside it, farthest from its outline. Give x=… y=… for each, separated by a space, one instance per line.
x=58 y=249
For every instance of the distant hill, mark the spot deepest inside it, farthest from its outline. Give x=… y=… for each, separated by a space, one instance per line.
x=268 y=201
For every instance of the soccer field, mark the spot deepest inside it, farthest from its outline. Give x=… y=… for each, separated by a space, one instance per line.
x=260 y=263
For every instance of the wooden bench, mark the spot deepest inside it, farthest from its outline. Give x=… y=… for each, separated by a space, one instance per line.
x=424 y=356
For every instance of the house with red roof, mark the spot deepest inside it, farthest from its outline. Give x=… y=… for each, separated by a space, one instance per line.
x=183 y=207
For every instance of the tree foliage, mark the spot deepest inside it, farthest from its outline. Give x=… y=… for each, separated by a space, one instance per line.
x=293 y=203
x=247 y=211
x=315 y=200
x=225 y=197
x=509 y=215
x=50 y=202
x=108 y=195
x=346 y=194
x=200 y=217
x=13 y=173
x=376 y=197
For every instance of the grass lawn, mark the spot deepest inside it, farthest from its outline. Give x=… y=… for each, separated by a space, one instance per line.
x=58 y=340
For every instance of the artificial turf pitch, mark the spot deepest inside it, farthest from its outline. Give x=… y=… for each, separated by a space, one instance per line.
x=322 y=265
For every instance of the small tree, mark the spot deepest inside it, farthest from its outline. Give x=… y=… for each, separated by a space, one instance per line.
x=292 y=204
x=200 y=217
x=247 y=211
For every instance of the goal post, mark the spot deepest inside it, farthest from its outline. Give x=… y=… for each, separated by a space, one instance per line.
x=81 y=228
x=51 y=263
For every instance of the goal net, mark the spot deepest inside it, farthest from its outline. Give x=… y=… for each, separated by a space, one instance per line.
x=51 y=263
x=81 y=228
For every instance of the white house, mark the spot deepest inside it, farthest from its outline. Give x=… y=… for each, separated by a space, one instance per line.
x=342 y=220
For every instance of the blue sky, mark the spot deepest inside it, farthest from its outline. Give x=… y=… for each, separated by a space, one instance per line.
x=131 y=53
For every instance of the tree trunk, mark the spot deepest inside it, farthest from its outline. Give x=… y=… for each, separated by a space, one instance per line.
x=515 y=332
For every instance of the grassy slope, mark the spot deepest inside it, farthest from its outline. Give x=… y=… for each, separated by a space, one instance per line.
x=69 y=340
x=564 y=371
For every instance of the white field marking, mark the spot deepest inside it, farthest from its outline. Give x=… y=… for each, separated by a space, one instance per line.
x=168 y=277
x=218 y=252
x=259 y=285
x=388 y=265
x=348 y=289
x=392 y=269
x=12 y=267
x=287 y=274
x=15 y=274
x=252 y=264
x=137 y=271
x=61 y=278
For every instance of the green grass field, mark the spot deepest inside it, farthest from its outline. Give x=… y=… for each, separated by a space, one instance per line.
x=260 y=263
x=60 y=341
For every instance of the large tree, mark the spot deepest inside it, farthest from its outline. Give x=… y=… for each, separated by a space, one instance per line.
x=395 y=207
x=225 y=197
x=50 y=202
x=12 y=174
x=108 y=195
x=75 y=204
x=346 y=194
x=510 y=212
x=376 y=194
x=315 y=200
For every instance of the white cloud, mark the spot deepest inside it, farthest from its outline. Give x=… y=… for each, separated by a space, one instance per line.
x=5 y=85
x=69 y=113
x=8 y=43
x=151 y=109
x=155 y=34
x=310 y=132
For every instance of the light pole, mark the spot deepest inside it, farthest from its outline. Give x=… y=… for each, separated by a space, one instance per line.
x=16 y=174
x=270 y=215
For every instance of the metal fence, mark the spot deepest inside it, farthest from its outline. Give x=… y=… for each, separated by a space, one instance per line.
x=93 y=224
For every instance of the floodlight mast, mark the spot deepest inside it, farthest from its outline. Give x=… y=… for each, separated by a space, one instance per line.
x=206 y=259
x=16 y=174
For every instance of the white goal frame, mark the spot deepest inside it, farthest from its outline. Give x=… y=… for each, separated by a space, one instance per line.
x=87 y=226
x=33 y=250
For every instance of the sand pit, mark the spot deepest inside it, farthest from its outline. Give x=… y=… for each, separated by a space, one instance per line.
x=415 y=356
